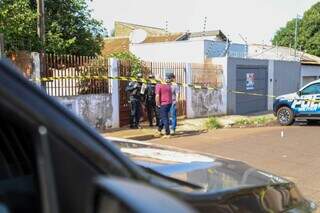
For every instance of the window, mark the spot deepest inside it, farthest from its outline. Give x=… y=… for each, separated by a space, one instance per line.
x=312 y=89
x=18 y=180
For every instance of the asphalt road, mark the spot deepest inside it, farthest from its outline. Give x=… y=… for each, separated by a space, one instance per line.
x=292 y=152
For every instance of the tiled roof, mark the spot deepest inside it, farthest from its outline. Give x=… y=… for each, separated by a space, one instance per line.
x=124 y=29
x=286 y=53
x=115 y=45
x=121 y=44
x=217 y=33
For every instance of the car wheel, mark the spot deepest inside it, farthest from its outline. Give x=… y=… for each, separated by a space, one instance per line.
x=285 y=116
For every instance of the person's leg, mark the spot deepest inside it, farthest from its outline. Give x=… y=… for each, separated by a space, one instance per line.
x=133 y=114
x=156 y=114
x=149 y=112
x=166 y=118
x=138 y=113
x=162 y=117
x=131 y=119
x=173 y=115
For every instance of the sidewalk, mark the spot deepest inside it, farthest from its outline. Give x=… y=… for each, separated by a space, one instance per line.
x=186 y=127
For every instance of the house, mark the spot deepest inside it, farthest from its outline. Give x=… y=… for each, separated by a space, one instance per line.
x=121 y=42
x=310 y=64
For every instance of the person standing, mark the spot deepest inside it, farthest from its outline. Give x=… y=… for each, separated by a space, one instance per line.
x=150 y=101
x=173 y=111
x=134 y=95
x=164 y=101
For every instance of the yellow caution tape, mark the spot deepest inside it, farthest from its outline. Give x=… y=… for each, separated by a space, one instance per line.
x=142 y=80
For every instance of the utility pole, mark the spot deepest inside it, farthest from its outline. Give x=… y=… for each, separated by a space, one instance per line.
x=296 y=36
x=245 y=40
x=41 y=32
x=1 y=45
x=204 y=26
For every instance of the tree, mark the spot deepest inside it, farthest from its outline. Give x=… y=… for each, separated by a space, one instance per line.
x=135 y=62
x=308 y=32
x=18 y=23
x=70 y=28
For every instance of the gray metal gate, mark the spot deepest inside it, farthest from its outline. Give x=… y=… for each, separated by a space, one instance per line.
x=251 y=79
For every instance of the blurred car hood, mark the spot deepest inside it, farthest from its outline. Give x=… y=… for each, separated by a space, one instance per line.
x=210 y=172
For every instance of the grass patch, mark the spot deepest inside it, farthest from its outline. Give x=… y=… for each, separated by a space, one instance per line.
x=256 y=121
x=213 y=123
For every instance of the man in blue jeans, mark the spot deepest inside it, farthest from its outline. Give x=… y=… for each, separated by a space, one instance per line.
x=164 y=101
x=173 y=110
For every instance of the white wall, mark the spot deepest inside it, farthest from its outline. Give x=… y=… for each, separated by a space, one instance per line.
x=178 y=51
x=309 y=71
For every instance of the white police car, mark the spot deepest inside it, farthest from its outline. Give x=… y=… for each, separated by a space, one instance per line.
x=302 y=105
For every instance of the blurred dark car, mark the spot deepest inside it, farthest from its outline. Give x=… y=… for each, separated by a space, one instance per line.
x=51 y=161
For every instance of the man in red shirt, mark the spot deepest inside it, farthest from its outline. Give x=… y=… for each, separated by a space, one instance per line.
x=164 y=101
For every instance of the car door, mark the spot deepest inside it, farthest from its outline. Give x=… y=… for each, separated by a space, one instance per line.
x=308 y=103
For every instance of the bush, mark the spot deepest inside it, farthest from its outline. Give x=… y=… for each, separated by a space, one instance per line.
x=243 y=122
x=257 y=121
x=213 y=123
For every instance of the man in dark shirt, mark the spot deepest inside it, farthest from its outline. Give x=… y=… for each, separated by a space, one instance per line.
x=150 y=101
x=134 y=95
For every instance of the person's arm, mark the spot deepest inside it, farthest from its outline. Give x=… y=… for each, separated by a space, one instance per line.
x=177 y=93
x=131 y=86
x=158 y=95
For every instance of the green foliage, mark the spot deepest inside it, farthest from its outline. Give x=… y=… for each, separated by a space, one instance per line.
x=308 y=32
x=244 y=122
x=135 y=62
x=18 y=23
x=213 y=123
x=70 y=29
x=256 y=121
x=96 y=67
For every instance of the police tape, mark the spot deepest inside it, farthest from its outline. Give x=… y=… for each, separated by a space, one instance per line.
x=142 y=80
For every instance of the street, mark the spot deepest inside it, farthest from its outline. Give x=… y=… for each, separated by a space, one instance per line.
x=291 y=152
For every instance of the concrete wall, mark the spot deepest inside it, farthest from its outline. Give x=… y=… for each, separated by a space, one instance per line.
x=232 y=64
x=96 y=110
x=286 y=77
x=207 y=103
x=178 y=51
x=311 y=72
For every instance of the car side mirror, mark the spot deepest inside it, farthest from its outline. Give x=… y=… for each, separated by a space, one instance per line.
x=299 y=93
x=123 y=195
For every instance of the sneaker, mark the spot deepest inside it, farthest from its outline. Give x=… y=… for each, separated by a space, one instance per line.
x=172 y=131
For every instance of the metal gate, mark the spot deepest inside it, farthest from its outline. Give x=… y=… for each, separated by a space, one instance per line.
x=251 y=79
x=159 y=70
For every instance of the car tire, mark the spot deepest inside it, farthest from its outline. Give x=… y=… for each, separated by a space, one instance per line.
x=285 y=116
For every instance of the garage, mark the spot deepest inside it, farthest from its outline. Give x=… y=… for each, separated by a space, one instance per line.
x=251 y=79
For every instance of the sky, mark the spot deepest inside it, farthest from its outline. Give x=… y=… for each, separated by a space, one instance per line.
x=255 y=20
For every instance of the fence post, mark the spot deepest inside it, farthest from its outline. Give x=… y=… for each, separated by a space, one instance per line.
x=190 y=113
x=1 y=45
x=114 y=89
x=36 y=68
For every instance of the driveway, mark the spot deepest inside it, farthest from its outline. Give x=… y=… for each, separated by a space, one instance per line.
x=292 y=152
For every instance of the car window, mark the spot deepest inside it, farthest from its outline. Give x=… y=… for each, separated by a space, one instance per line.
x=18 y=180
x=312 y=89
